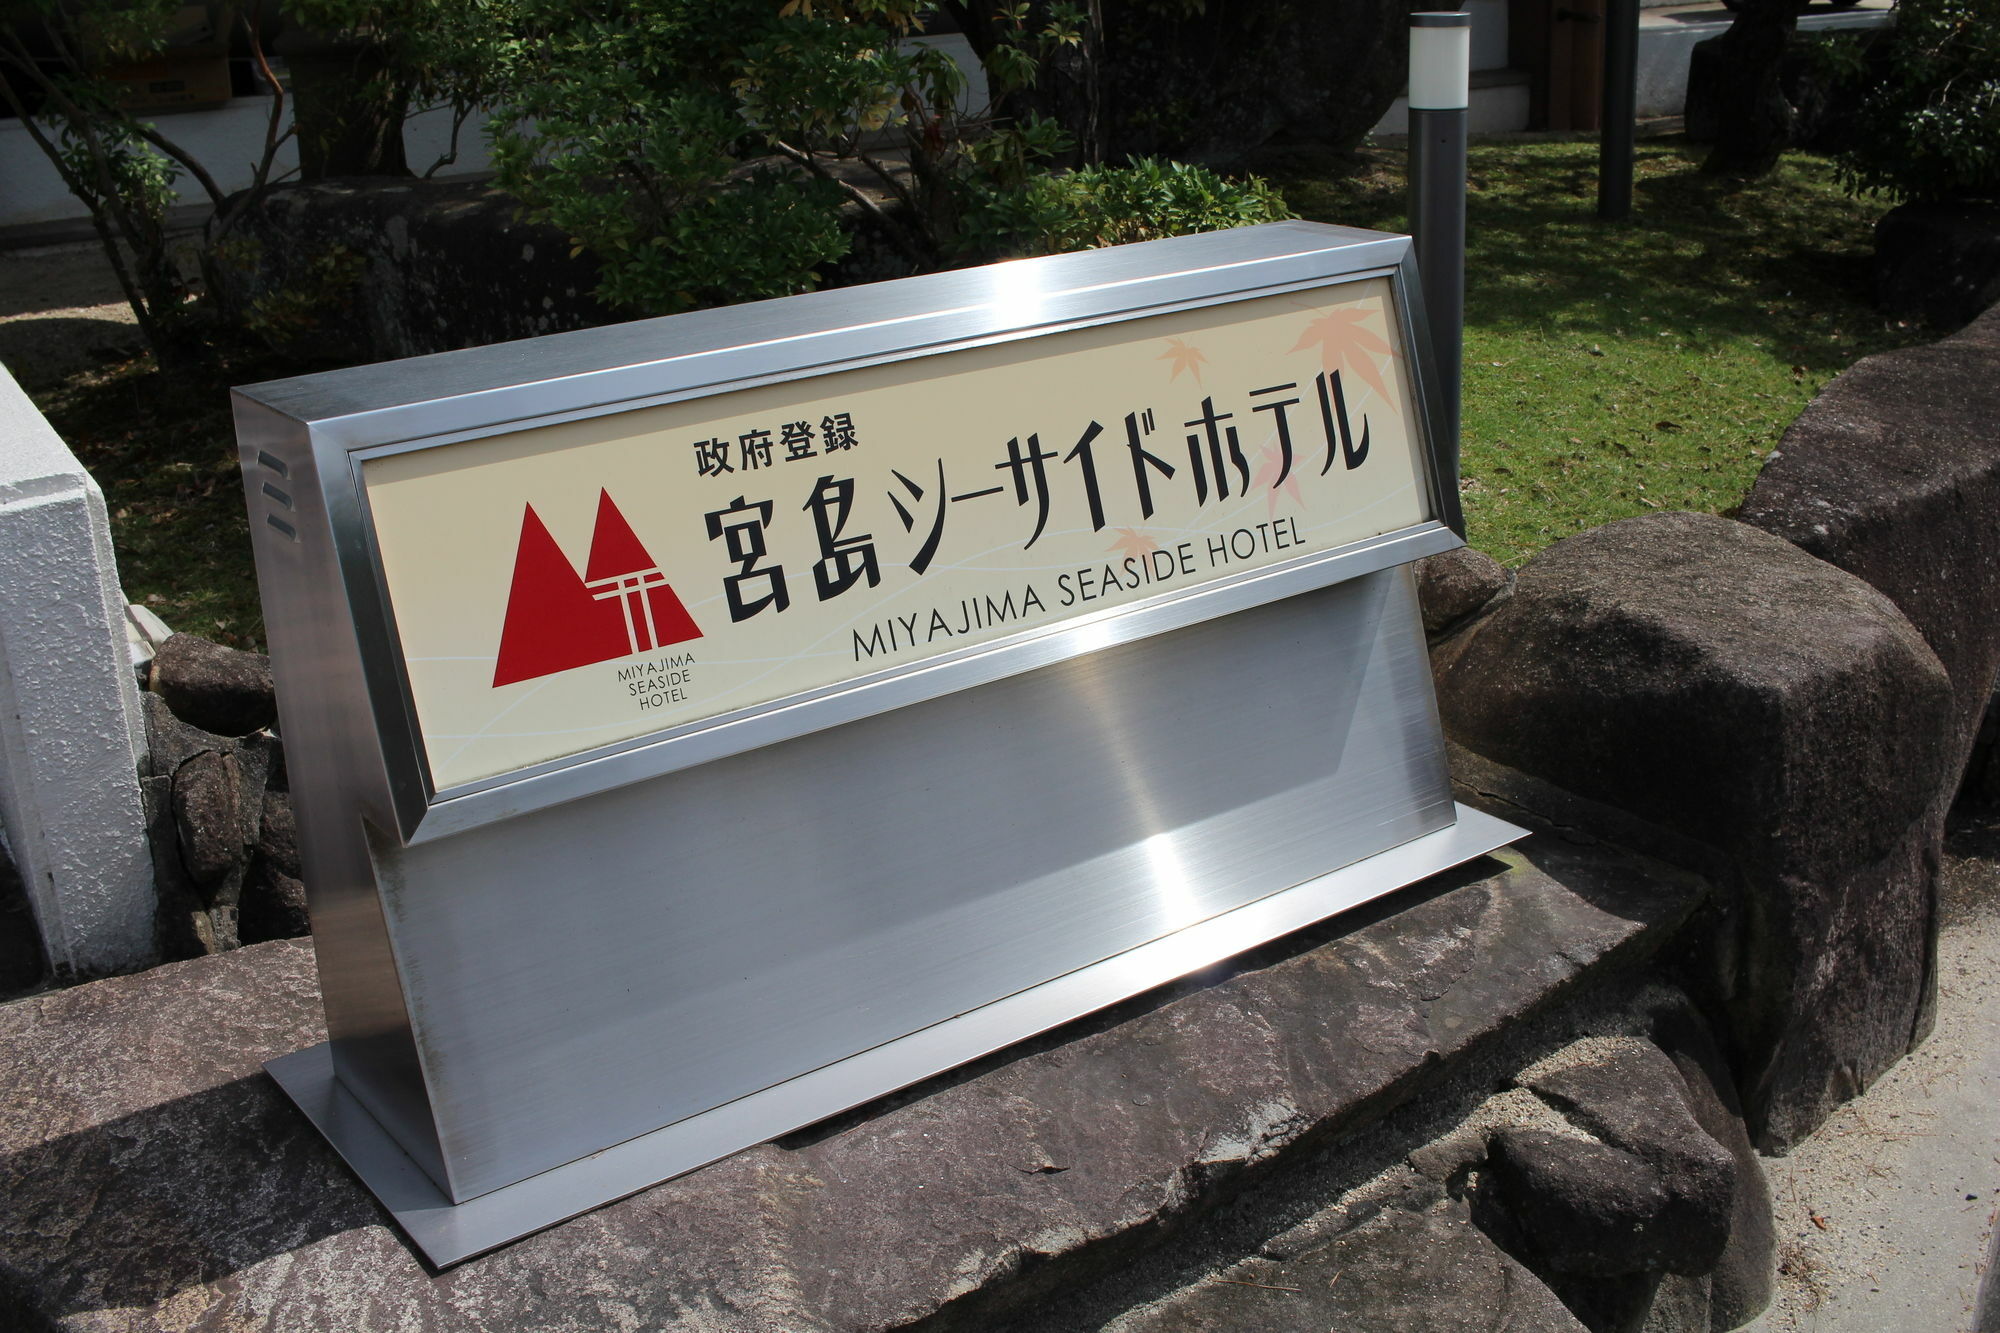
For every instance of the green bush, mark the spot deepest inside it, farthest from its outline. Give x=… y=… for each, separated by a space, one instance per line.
x=1929 y=126
x=1106 y=205
x=705 y=151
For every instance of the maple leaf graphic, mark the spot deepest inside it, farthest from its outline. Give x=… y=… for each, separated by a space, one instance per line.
x=1184 y=358
x=1344 y=342
x=1134 y=543
x=1268 y=464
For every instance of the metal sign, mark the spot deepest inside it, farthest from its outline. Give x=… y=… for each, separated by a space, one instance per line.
x=863 y=681
x=564 y=587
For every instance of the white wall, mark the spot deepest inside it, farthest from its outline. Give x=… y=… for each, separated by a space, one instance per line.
x=1497 y=106
x=1667 y=42
x=71 y=733
x=227 y=141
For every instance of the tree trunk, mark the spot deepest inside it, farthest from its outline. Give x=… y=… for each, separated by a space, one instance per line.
x=1066 y=85
x=347 y=105
x=1735 y=95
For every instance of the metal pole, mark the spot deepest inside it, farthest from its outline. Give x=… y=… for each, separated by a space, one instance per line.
x=1621 y=102
x=1440 y=64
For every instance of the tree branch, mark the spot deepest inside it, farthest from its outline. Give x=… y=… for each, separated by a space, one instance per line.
x=898 y=232
x=181 y=155
x=133 y=296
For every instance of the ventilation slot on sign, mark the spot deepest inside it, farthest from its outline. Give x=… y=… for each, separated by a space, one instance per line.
x=282 y=526
x=273 y=462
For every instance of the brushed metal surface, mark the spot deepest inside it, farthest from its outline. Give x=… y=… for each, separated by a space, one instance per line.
x=323 y=716
x=587 y=973
x=449 y=1233
x=428 y=402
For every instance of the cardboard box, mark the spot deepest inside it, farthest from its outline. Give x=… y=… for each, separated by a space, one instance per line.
x=172 y=83
x=191 y=73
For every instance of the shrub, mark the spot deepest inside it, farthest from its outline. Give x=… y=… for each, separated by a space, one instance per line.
x=1929 y=126
x=1109 y=205
x=704 y=151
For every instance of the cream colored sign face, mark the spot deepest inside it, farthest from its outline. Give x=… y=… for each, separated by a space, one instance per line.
x=565 y=587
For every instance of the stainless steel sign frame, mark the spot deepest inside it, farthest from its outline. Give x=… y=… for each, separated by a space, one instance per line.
x=568 y=955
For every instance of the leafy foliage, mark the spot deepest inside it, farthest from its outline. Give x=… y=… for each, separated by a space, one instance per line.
x=1929 y=126
x=706 y=152
x=121 y=168
x=1108 y=205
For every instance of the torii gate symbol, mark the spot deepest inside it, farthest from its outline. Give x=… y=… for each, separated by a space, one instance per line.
x=557 y=620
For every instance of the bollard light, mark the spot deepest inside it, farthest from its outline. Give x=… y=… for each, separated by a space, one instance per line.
x=1440 y=61
x=1440 y=79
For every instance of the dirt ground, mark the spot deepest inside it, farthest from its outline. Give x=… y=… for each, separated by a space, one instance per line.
x=60 y=307
x=1885 y=1216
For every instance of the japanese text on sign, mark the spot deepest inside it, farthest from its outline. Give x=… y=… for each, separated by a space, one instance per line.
x=569 y=586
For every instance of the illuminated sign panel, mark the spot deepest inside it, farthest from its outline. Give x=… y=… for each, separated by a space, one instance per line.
x=564 y=587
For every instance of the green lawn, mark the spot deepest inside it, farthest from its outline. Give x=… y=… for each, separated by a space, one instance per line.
x=163 y=450
x=1609 y=368
x=1614 y=368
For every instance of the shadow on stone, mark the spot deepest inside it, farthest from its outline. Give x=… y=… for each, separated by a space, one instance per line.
x=1277 y=951
x=176 y=1196
x=22 y=967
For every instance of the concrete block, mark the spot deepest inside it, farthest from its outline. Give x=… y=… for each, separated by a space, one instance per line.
x=70 y=731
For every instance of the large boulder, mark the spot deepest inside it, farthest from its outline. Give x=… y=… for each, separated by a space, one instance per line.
x=152 y=1178
x=1744 y=1278
x=1457 y=585
x=1893 y=474
x=1785 y=728
x=1417 y=1265
x=1938 y=260
x=365 y=269
x=1638 y=1187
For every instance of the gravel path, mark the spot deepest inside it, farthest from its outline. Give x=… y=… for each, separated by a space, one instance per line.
x=1886 y=1214
x=61 y=308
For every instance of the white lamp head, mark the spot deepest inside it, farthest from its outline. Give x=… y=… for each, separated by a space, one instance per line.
x=1440 y=61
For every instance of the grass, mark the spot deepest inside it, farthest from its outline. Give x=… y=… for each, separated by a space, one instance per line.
x=163 y=449
x=1610 y=368
x=1616 y=368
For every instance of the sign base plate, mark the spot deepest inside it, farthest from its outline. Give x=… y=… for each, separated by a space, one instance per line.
x=448 y=1233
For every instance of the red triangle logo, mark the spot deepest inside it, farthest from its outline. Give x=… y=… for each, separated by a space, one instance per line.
x=557 y=621
x=614 y=547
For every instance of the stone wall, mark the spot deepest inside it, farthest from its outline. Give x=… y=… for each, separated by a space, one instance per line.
x=225 y=850
x=1787 y=704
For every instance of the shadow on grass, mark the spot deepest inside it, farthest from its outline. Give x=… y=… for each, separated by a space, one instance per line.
x=1781 y=261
